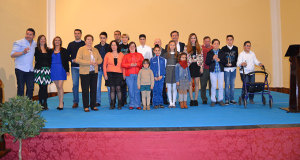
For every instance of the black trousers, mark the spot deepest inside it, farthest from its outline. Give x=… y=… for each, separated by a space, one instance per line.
x=124 y=91
x=164 y=94
x=89 y=89
x=204 y=79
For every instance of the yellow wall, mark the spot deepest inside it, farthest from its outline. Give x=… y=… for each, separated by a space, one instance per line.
x=16 y=16
x=290 y=26
x=244 y=19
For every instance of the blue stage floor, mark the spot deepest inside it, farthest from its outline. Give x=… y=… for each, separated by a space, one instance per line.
x=200 y=116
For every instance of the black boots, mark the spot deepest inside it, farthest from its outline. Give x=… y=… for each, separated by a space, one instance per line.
x=44 y=105
x=120 y=104
x=194 y=103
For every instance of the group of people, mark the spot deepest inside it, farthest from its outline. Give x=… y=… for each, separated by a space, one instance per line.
x=152 y=75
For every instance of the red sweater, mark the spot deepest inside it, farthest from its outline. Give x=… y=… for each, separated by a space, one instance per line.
x=130 y=58
x=205 y=51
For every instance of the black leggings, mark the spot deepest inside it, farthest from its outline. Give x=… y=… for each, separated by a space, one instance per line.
x=113 y=90
x=43 y=94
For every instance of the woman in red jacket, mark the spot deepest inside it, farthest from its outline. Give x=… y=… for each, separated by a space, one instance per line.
x=132 y=62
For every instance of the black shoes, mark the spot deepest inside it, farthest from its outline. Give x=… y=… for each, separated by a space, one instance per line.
x=195 y=102
x=226 y=102
x=192 y=103
x=233 y=102
x=112 y=105
x=45 y=106
x=59 y=108
x=204 y=102
x=120 y=104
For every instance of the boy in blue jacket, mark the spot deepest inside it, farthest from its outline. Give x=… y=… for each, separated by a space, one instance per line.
x=158 y=67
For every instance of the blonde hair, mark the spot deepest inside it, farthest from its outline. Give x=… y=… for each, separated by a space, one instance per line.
x=125 y=35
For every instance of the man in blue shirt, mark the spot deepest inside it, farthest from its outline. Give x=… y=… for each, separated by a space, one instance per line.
x=23 y=53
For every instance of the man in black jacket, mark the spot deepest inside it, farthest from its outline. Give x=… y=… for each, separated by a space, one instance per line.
x=175 y=37
x=180 y=47
x=103 y=48
x=72 y=51
x=231 y=53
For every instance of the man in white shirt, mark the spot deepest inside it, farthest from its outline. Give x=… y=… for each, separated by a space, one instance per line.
x=145 y=50
x=247 y=60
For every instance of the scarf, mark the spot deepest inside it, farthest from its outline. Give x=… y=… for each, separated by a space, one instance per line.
x=183 y=64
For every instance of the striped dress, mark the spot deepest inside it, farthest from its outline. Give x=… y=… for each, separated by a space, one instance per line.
x=42 y=68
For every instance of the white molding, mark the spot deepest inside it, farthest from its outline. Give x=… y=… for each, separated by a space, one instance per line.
x=51 y=21
x=51 y=31
x=277 y=79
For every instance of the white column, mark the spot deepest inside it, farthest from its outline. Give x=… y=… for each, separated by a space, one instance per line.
x=50 y=21
x=51 y=32
x=276 y=43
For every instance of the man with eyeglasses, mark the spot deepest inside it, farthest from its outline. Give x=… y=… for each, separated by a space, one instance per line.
x=248 y=60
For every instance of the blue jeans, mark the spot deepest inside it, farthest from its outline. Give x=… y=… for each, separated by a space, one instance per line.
x=22 y=79
x=134 y=92
x=229 y=78
x=157 y=92
x=75 y=79
x=99 y=84
x=246 y=80
x=216 y=78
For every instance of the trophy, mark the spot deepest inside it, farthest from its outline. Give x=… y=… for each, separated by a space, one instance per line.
x=229 y=59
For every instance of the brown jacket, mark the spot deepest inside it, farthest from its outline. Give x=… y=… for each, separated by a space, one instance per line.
x=83 y=58
x=145 y=77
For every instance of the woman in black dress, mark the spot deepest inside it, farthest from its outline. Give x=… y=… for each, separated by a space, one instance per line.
x=195 y=62
x=42 y=69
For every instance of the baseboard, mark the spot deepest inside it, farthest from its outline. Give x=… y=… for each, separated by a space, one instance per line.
x=280 y=89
